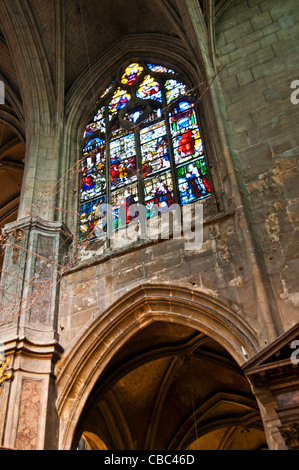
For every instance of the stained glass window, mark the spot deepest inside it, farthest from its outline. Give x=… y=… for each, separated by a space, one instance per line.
x=144 y=145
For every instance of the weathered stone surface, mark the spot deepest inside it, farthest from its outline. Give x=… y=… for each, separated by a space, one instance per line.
x=29 y=415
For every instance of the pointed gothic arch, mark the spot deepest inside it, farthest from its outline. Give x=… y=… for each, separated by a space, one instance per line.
x=88 y=357
x=144 y=145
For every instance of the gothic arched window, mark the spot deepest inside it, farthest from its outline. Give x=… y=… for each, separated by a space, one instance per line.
x=144 y=145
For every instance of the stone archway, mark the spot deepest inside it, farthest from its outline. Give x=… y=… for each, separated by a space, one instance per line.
x=92 y=358
x=172 y=388
x=12 y=165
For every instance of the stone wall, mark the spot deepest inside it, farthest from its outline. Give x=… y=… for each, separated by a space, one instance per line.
x=257 y=44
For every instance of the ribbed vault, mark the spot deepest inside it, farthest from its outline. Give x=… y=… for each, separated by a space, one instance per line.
x=172 y=388
x=12 y=156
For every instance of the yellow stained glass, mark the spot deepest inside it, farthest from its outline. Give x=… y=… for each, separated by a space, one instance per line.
x=119 y=100
x=131 y=74
x=149 y=89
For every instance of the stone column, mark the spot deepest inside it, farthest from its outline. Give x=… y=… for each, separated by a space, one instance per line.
x=274 y=376
x=33 y=264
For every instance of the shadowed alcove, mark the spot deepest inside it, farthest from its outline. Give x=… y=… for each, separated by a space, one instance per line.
x=171 y=388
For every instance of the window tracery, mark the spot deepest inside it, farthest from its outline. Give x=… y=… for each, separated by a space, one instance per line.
x=144 y=145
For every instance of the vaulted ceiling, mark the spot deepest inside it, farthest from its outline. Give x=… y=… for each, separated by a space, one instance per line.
x=172 y=388
x=68 y=37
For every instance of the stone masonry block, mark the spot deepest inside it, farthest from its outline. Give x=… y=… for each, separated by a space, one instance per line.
x=248 y=13
x=260 y=57
x=253 y=3
x=249 y=38
x=226 y=24
x=245 y=51
x=242 y=124
x=261 y=21
x=244 y=95
x=268 y=40
x=238 y=31
x=229 y=83
x=244 y=77
x=227 y=48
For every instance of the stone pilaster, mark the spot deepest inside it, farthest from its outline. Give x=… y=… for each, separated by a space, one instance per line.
x=33 y=264
x=28 y=401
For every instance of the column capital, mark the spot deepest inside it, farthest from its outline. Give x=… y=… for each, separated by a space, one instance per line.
x=29 y=223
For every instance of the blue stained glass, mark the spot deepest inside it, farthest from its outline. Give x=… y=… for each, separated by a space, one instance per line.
x=99 y=120
x=107 y=90
x=123 y=161
x=134 y=115
x=94 y=143
x=187 y=141
x=92 y=218
x=159 y=194
x=95 y=127
x=90 y=130
x=160 y=69
x=119 y=101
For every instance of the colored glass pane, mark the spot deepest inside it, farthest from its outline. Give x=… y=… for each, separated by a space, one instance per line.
x=92 y=218
x=93 y=182
x=174 y=89
x=150 y=89
x=99 y=119
x=187 y=141
x=135 y=115
x=159 y=69
x=159 y=193
x=193 y=182
x=154 y=149
x=154 y=115
x=93 y=144
x=123 y=210
x=98 y=125
x=131 y=74
x=107 y=90
x=90 y=130
x=120 y=100
x=123 y=161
